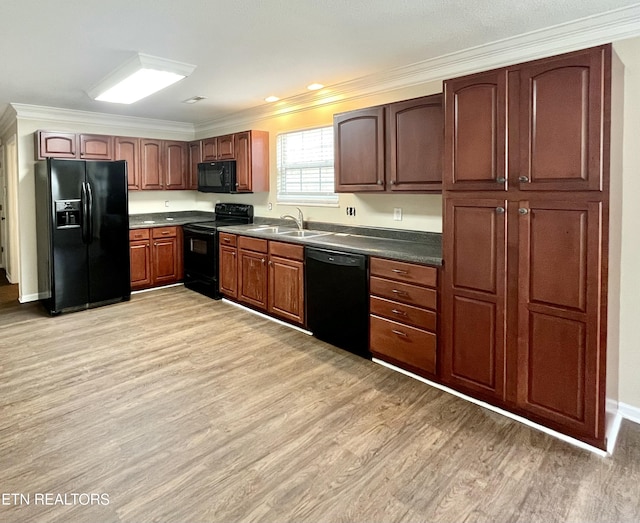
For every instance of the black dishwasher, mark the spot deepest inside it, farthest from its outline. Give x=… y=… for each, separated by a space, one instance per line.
x=338 y=299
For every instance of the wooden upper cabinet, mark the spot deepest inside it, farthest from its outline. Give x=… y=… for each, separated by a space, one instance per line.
x=415 y=138
x=51 y=144
x=359 y=150
x=128 y=149
x=225 y=147
x=209 y=150
x=151 y=173
x=96 y=147
x=475 y=132
x=561 y=118
x=559 y=352
x=474 y=296
x=174 y=154
x=252 y=161
x=195 y=157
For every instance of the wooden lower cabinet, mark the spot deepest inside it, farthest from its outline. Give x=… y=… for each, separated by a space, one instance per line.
x=228 y=265
x=286 y=281
x=252 y=272
x=266 y=275
x=403 y=307
x=156 y=256
x=522 y=317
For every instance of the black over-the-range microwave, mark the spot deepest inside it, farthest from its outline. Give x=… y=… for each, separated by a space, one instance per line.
x=217 y=176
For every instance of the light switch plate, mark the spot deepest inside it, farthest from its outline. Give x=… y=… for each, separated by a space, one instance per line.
x=397 y=214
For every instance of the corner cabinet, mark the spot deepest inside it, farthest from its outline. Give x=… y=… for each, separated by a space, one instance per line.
x=393 y=148
x=525 y=240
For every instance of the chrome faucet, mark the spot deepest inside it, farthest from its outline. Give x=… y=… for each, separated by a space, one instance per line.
x=299 y=220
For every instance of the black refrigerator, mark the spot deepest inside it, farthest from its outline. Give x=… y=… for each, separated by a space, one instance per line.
x=82 y=222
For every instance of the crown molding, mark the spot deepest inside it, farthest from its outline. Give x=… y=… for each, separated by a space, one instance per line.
x=586 y=32
x=56 y=115
x=7 y=119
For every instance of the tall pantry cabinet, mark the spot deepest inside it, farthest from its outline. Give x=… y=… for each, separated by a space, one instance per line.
x=526 y=206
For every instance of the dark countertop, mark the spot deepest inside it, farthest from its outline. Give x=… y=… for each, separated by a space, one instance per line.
x=425 y=248
x=158 y=219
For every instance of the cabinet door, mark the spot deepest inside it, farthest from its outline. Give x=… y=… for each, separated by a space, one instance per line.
x=128 y=149
x=286 y=289
x=475 y=132
x=165 y=261
x=252 y=278
x=243 y=162
x=225 y=147
x=228 y=271
x=96 y=147
x=140 y=264
x=474 y=296
x=416 y=137
x=359 y=150
x=561 y=105
x=56 y=145
x=175 y=164
x=209 y=150
x=195 y=157
x=559 y=354
x=151 y=165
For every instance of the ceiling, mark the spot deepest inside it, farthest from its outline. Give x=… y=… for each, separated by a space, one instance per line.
x=244 y=50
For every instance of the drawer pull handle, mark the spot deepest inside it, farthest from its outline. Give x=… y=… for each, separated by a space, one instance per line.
x=399 y=271
x=165 y=232
x=399 y=333
x=227 y=240
x=401 y=313
x=399 y=293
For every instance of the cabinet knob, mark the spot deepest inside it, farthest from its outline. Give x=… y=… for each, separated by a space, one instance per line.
x=501 y=179
x=523 y=210
x=500 y=210
x=392 y=182
x=523 y=179
x=379 y=182
x=237 y=184
x=270 y=263
x=233 y=253
x=262 y=261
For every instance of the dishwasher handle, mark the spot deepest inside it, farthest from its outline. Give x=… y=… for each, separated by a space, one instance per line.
x=337 y=258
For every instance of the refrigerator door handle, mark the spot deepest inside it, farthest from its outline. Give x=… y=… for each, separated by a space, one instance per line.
x=90 y=216
x=85 y=212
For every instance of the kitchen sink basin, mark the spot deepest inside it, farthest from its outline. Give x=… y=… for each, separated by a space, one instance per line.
x=303 y=233
x=268 y=228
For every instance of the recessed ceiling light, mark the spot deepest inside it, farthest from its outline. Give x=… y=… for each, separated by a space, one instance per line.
x=194 y=99
x=271 y=99
x=139 y=77
x=314 y=87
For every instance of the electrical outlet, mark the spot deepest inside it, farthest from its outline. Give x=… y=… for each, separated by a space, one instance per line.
x=397 y=214
x=351 y=211
x=166 y=203
x=270 y=206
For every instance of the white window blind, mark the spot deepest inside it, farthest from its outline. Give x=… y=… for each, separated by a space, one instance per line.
x=305 y=167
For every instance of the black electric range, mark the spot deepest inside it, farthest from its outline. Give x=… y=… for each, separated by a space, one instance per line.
x=201 y=247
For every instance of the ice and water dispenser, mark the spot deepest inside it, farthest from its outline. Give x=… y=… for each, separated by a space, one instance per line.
x=67 y=214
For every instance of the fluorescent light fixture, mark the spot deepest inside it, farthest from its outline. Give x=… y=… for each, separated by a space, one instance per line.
x=138 y=77
x=314 y=87
x=271 y=99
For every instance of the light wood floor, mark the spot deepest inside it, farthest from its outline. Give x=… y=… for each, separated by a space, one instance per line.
x=184 y=409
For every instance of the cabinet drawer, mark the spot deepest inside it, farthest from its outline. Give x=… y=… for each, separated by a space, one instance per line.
x=139 y=234
x=405 y=344
x=164 y=232
x=286 y=250
x=403 y=292
x=400 y=312
x=252 y=244
x=228 y=239
x=406 y=272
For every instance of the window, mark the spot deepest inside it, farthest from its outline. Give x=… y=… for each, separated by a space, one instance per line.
x=305 y=167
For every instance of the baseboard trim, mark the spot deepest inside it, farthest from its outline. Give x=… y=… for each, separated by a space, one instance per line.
x=26 y=298
x=629 y=412
x=157 y=288
x=511 y=415
x=267 y=317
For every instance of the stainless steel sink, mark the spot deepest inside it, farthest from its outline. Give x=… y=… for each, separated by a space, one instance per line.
x=267 y=228
x=303 y=233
